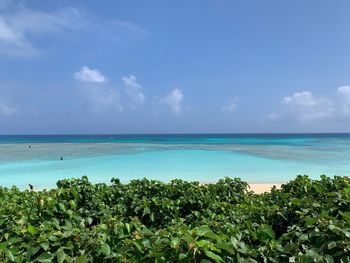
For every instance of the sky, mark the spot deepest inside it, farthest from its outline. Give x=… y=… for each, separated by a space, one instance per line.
x=201 y=66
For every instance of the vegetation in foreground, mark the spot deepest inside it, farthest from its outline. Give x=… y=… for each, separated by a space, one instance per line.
x=149 y=221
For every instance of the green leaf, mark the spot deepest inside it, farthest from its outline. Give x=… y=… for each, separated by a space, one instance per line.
x=226 y=246
x=3 y=246
x=304 y=237
x=310 y=221
x=345 y=259
x=45 y=245
x=138 y=245
x=146 y=243
x=265 y=232
x=10 y=255
x=89 y=220
x=61 y=255
x=334 y=229
x=202 y=230
x=329 y=259
x=67 y=233
x=128 y=227
x=33 y=250
x=105 y=250
x=15 y=240
x=331 y=245
x=174 y=242
x=32 y=229
x=45 y=257
x=147 y=232
x=213 y=256
x=146 y=211
x=346 y=216
x=81 y=259
x=188 y=238
x=313 y=253
x=62 y=207
x=206 y=232
x=72 y=204
x=202 y=243
x=234 y=242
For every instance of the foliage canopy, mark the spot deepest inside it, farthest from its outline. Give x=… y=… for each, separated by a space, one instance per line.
x=150 y=221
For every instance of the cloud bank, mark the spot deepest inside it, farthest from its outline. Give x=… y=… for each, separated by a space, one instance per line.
x=306 y=107
x=20 y=27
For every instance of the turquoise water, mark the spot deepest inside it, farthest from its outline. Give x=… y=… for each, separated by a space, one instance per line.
x=205 y=158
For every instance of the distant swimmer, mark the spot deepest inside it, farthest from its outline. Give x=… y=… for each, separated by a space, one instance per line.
x=30 y=146
x=31 y=187
x=61 y=158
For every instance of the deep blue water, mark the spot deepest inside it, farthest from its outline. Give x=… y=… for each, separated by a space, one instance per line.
x=285 y=138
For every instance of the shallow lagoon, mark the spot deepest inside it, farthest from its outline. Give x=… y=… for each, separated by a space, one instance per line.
x=206 y=158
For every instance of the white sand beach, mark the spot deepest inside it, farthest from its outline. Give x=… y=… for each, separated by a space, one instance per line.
x=263 y=187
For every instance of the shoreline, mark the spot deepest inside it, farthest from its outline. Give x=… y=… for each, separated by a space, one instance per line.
x=256 y=187
x=260 y=188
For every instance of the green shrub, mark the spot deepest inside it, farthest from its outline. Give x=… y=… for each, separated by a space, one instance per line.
x=150 y=221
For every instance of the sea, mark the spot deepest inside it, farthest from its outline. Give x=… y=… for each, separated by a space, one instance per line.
x=42 y=160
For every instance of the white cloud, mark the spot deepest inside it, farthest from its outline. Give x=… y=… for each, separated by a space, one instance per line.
x=7 y=109
x=134 y=89
x=20 y=24
x=344 y=92
x=304 y=106
x=86 y=74
x=100 y=97
x=173 y=101
x=230 y=106
x=13 y=42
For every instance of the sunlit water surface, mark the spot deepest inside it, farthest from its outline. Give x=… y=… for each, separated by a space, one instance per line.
x=204 y=158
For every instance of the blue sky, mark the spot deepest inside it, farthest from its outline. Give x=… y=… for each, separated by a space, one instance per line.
x=174 y=66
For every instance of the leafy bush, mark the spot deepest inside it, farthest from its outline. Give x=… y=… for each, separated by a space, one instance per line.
x=150 y=221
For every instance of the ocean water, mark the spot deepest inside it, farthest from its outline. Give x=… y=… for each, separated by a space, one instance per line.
x=205 y=158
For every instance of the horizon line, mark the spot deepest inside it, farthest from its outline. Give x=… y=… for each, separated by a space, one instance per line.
x=205 y=133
